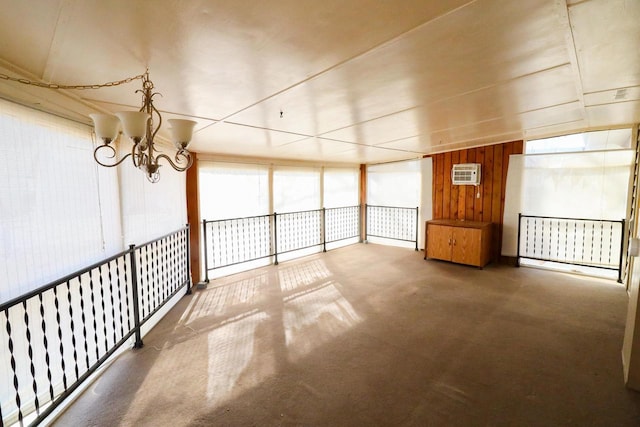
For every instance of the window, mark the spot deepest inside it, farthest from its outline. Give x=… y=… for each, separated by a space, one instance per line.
x=394 y=184
x=60 y=211
x=296 y=189
x=615 y=139
x=341 y=187
x=229 y=190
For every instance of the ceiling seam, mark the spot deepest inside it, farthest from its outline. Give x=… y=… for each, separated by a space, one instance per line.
x=48 y=70
x=611 y=90
x=344 y=61
x=571 y=51
x=449 y=98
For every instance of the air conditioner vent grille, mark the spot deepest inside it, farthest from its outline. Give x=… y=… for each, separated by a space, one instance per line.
x=466 y=174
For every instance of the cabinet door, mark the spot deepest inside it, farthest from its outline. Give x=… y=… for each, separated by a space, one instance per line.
x=466 y=246
x=439 y=241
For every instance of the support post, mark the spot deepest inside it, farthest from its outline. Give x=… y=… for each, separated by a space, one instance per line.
x=189 y=260
x=417 y=222
x=366 y=231
x=360 y=223
x=134 y=291
x=622 y=223
x=324 y=230
x=203 y=285
x=518 y=243
x=275 y=237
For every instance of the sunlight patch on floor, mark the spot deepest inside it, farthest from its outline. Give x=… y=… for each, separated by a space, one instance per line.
x=218 y=301
x=300 y=275
x=314 y=317
x=232 y=349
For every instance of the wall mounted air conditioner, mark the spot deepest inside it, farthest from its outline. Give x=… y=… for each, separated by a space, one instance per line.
x=466 y=174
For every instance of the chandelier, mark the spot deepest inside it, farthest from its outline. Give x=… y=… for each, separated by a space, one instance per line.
x=140 y=128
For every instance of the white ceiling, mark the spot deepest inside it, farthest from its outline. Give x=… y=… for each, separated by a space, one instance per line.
x=357 y=81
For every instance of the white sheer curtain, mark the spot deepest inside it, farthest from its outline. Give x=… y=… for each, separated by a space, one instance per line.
x=394 y=184
x=296 y=189
x=341 y=187
x=60 y=211
x=232 y=190
x=591 y=185
x=56 y=209
x=398 y=184
x=150 y=210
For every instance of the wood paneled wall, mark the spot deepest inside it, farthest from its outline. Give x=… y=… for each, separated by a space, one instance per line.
x=468 y=202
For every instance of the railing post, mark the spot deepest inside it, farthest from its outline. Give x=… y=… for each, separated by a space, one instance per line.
x=189 y=260
x=366 y=223
x=518 y=244
x=622 y=223
x=275 y=237
x=206 y=252
x=417 y=219
x=134 y=290
x=324 y=231
x=360 y=223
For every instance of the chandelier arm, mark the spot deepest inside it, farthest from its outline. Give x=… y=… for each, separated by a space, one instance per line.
x=113 y=154
x=134 y=156
x=180 y=157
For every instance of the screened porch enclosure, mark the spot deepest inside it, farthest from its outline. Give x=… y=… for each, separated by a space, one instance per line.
x=567 y=203
x=257 y=214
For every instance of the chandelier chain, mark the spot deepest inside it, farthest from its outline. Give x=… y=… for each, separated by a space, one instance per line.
x=79 y=87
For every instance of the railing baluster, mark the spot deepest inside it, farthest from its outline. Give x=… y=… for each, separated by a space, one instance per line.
x=601 y=240
x=73 y=332
x=535 y=229
x=61 y=348
x=32 y=368
x=104 y=309
x=113 y=305
x=610 y=242
x=93 y=311
x=45 y=343
x=16 y=384
x=527 y=239
x=83 y=317
x=126 y=291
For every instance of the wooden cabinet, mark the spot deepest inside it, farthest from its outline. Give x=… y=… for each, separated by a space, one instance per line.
x=463 y=242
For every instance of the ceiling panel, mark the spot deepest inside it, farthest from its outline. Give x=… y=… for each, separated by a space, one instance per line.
x=365 y=154
x=482 y=44
x=237 y=52
x=572 y=112
x=612 y=96
x=607 y=36
x=27 y=29
x=316 y=149
x=387 y=128
x=359 y=81
x=228 y=138
x=414 y=144
x=622 y=112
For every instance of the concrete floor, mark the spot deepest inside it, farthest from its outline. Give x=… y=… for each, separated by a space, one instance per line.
x=375 y=335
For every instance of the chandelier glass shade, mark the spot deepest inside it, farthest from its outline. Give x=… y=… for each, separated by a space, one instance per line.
x=141 y=128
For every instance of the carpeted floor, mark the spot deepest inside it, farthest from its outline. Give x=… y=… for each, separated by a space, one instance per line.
x=374 y=335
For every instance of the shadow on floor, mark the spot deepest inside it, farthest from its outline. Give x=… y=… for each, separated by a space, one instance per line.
x=375 y=335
